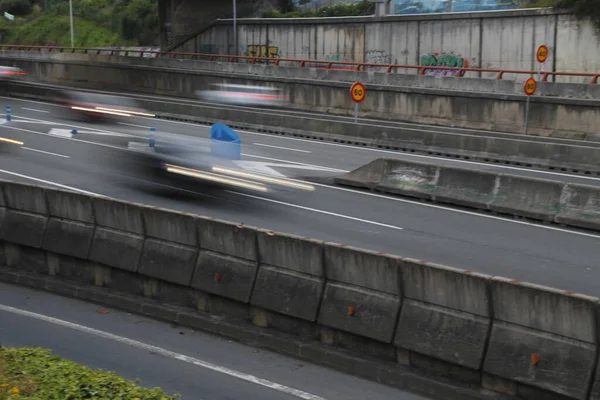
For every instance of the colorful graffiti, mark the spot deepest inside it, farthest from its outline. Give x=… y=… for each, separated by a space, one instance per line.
x=262 y=51
x=443 y=60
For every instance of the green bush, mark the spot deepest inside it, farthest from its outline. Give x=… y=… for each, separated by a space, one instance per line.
x=34 y=374
x=97 y=23
x=50 y=29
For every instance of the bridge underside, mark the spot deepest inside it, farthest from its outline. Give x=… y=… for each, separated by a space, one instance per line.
x=180 y=19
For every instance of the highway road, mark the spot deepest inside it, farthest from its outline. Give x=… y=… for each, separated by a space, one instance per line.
x=537 y=253
x=75 y=330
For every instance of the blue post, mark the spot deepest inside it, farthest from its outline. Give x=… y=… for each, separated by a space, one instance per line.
x=74 y=132
x=152 y=138
x=8 y=113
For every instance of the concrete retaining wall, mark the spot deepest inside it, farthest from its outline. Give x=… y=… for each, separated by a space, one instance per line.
x=500 y=39
x=379 y=316
x=539 y=199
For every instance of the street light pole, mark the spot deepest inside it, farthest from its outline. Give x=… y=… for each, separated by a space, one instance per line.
x=71 y=17
x=235 y=38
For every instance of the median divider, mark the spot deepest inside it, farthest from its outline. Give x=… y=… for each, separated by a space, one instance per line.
x=431 y=329
x=537 y=199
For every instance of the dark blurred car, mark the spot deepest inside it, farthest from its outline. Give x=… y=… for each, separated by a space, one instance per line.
x=98 y=107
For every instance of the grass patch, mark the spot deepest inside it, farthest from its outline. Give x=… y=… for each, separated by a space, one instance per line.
x=32 y=373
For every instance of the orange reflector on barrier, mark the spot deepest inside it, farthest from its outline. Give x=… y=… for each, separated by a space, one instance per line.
x=218 y=277
x=351 y=311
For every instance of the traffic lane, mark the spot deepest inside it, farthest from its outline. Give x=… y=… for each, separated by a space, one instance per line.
x=490 y=245
x=295 y=150
x=191 y=381
x=371 y=211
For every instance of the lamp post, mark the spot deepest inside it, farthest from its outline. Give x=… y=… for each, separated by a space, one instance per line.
x=71 y=17
x=235 y=45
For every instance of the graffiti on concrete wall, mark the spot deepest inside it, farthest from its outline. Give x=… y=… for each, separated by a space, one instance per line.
x=378 y=57
x=451 y=60
x=333 y=57
x=262 y=51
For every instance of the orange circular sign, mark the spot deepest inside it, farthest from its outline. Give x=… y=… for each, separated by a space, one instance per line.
x=358 y=91
x=530 y=86
x=542 y=54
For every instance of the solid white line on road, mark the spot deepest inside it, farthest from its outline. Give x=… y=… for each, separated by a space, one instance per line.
x=35 y=110
x=45 y=152
x=282 y=148
x=50 y=183
x=294 y=162
x=316 y=210
x=164 y=352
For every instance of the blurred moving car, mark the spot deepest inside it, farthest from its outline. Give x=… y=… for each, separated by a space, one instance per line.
x=244 y=95
x=100 y=107
x=11 y=73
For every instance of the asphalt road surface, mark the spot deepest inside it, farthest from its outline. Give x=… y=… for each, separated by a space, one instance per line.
x=212 y=369
x=537 y=253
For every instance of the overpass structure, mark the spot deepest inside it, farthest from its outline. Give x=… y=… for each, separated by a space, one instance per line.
x=181 y=19
x=290 y=272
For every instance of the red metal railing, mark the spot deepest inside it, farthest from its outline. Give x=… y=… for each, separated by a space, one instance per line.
x=322 y=64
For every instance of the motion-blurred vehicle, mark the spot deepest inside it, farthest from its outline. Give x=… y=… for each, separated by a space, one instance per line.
x=11 y=73
x=169 y=158
x=244 y=95
x=98 y=107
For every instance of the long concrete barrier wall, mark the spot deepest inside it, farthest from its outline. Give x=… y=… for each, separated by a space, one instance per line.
x=431 y=329
x=476 y=103
x=499 y=148
x=539 y=199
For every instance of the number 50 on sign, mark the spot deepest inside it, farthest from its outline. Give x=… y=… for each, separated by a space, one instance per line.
x=530 y=86
x=358 y=92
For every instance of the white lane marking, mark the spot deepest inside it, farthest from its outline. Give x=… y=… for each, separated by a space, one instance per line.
x=50 y=183
x=45 y=152
x=294 y=162
x=134 y=125
x=71 y=127
x=282 y=148
x=165 y=353
x=35 y=110
x=316 y=210
x=65 y=138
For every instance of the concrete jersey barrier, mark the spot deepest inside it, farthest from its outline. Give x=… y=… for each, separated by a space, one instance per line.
x=379 y=316
x=539 y=199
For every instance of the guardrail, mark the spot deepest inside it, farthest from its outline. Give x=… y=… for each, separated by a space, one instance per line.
x=323 y=64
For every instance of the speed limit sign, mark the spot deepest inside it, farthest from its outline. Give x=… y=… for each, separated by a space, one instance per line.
x=530 y=86
x=358 y=92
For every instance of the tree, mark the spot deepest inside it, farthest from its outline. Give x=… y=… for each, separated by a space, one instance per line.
x=582 y=9
x=286 y=6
